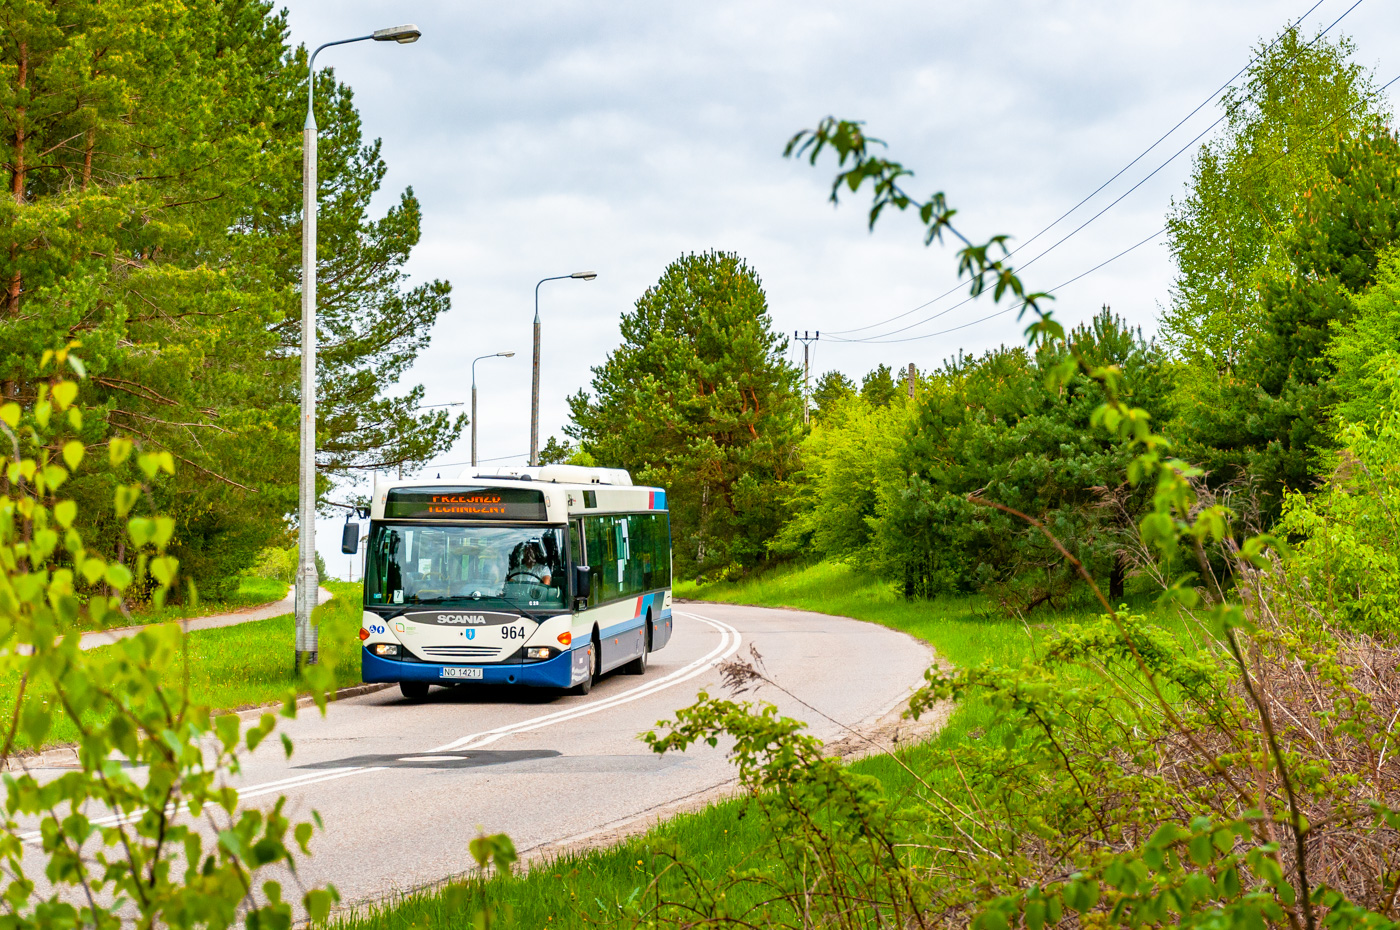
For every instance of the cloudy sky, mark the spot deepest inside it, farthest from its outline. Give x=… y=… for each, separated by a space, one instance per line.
x=549 y=137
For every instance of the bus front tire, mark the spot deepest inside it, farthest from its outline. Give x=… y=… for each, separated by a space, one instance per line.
x=414 y=690
x=586 y=685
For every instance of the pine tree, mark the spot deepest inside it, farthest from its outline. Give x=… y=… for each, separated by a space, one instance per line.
x=700 y=399
x=152 y=156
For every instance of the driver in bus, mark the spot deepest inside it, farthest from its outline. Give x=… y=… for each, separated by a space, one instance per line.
x=533 y=565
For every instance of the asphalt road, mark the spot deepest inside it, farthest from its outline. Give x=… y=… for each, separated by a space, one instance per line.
x=402 y=787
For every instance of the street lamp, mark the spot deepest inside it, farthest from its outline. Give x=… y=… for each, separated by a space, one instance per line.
x=474 y=361
x=307 y=581
x=535 y=383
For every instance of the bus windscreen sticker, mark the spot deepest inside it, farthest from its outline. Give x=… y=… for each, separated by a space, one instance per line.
x=465 y=504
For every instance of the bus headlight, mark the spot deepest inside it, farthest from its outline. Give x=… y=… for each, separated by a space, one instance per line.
x=387 y=650
x=538 y=652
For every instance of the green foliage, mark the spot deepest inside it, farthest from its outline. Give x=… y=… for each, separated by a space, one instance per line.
x=276 y=563
x=699 y=400
x=851 y=457
x=122 y=838
x=1246 y=184
x=839 y=835
x=1366 y=347
x=557 y=451
x=885 y=481
x=1279 y=407
x=1346 y=533
x=1284 y=219
x=1125 y=778
x=877 y=388
x=1086 y=802
x=831 y=388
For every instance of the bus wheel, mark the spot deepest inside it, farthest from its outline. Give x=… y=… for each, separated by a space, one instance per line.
x=586 y=685
x=414 y=690
x=638 y=666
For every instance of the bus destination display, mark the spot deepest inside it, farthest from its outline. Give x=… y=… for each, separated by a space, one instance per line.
x=464 y=504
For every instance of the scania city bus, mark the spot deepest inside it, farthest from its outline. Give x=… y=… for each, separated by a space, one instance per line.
x=547 y=577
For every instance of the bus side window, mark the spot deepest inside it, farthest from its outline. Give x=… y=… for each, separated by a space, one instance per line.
x=661 y=542
x=596 y=549
x=620 y=528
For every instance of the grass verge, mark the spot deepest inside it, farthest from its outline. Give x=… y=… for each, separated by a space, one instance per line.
x=584 y=889
x=251 y=592
x=250 y=663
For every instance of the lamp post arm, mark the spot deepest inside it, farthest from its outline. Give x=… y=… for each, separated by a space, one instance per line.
x=558 y=277
x=311 y=75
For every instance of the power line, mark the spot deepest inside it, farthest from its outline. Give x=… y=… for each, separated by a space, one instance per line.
x=499 y=458
x=835 y=334
x=1020 y=306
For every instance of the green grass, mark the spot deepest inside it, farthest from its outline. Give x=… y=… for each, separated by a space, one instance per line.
x=246 y=664
x=963 y=630
x=251 y=592
x=580 y=890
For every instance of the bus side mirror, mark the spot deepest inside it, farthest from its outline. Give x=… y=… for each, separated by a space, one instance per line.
x=350 y=538
x=583 y=581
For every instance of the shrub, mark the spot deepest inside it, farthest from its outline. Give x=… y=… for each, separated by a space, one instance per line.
x=277 y=564
x=128 y=847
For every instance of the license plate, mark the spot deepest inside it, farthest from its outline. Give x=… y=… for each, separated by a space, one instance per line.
x=461 y=673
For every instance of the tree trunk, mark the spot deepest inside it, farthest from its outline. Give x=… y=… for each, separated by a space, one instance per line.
x=17 y=172
x=1116 y=576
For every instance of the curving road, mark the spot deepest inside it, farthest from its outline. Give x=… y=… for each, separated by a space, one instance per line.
x=402 y=787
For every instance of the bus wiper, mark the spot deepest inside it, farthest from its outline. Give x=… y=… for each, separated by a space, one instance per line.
x=522 y=610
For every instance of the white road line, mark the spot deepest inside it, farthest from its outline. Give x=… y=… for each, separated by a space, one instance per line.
x=728 y=644
x=317 y=779
x=284 y=784
x=478 y=740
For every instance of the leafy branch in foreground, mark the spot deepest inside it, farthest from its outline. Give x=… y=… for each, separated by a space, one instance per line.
x=146 y=831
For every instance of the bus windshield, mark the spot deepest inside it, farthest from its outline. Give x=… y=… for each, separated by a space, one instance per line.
x=519 y=566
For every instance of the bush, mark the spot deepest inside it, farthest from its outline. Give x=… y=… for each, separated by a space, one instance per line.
x=276 y=564
x=1347 y=548
x=281 y=565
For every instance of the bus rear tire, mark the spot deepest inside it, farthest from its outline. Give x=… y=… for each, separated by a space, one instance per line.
x=638 y=666
x=414 y=690
x=586 y=685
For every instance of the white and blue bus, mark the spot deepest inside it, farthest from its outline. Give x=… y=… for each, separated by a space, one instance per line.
x=545 y=577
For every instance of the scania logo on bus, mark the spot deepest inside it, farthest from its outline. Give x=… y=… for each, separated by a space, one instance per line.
x=465 y=618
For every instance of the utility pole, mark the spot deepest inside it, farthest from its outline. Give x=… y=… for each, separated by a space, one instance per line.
x=911 y=380
x=806 y=339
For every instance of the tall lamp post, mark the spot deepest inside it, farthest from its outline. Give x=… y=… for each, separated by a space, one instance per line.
x=474 y=361
x=307 y=580
x=535 y=377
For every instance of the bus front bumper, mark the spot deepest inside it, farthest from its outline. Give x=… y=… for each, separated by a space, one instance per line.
x=557 y=672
